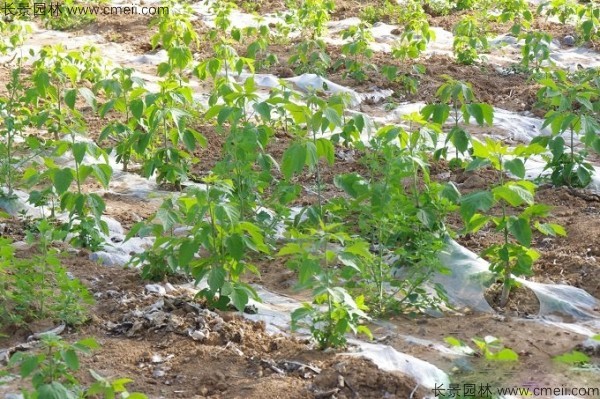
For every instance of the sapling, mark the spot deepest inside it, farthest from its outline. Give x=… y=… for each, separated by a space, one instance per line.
x=125 y=94
x=356 y=53
x=214 y=249
x=514 y=255
x=572 y=101
x=402 y=213
x=52 y=372
x=416 y=33
x=457 y=101
x=315 y=253
x=318 y=116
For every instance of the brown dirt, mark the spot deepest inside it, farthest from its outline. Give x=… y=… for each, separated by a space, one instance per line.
x=571 y=260
x=535 y=343
x=513 y=92
x=133 y=31
x=240 y=359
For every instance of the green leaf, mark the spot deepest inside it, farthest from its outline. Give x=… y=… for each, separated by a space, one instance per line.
x=28 y=366
x=167 y=217
x=294 y=159
x=62 y=180
x=521 y=230
x=332 y=116
x=573 y=358
x=103 y=173
x=476 y=201
x=235 y=246
x=54 y=390
x=79 y=150
x=70 y=98
x=71 y=359
x=514 y=194
x=550 y=229
x=505 y=355
x=352 y=183
x=137 y=108
x=216 y=278
x=516 y=167
x=326 y=150
x=239 y=298
x=187 y=250
x=89 y=97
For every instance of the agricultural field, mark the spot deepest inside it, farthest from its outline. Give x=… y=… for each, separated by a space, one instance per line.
x=300 y=199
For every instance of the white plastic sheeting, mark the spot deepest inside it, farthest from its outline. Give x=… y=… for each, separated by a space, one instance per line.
x=467 y=282
x=389 y=359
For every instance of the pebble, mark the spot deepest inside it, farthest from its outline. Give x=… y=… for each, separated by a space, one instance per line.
x=158 y=373
x=569 y=40
x=155 y=289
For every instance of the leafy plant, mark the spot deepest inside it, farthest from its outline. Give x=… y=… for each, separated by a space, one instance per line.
x=489 y=347
x=536 y=51
x=124 y=94
x=457 y=101
x=573 y=358
x=52 y=372
x=573 y=103
x=514 y=256
x=408 y=81
x=314 y=253
x=356 y=53
x=15 y=116
x=214 y=247
x=401 y=212
x=177 y=36
x=38 y=287
x=416 y=33
x=167 y=140
x=469 y=40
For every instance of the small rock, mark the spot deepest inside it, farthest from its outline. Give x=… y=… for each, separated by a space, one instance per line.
x=169 y=288
x=591 y=346
x=158 y=373
x=474 y=181
x=199 y=335
x=155 y=289
x=569 y=40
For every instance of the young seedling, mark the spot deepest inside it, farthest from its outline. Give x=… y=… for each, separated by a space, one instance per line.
x=514 y=255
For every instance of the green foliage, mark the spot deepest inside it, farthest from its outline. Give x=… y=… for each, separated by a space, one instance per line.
x=314 y=254
x=15 y=116
x=572 y=101
x=514 y=256
x=357 y=53
x=177 y=36
x=415 y=31
x=469 y=40
x=456 y=101
x=214 y=249
x=585 y=16
x=13 y=34
x=52 y=372
x=408 y=81
x=38 y=287
x=401 y=212
x=124 y=94
x=310 y=17
x=489 y=347
x=258 y=49
x=573 y=358
x=536 y=51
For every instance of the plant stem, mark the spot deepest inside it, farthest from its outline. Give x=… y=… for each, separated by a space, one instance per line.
x=507 y=269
